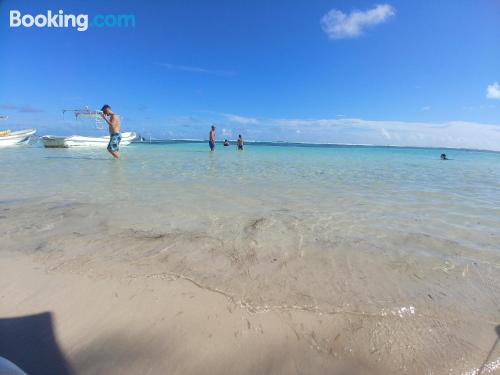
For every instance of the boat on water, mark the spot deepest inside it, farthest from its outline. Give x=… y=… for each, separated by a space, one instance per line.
x=90 y=116
x=54 y=141
x=11 y=138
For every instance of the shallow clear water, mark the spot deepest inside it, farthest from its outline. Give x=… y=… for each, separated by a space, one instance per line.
x=394 y=240
x=265 y=202
x=382 y=190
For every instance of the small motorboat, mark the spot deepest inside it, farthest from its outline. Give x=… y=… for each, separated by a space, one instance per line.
x=11 y=138
x=54 y=141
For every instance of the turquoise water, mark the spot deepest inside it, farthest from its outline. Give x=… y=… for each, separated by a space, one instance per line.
x=403 y=242
x=312 y=207
x=399 y=184
x=382 y=189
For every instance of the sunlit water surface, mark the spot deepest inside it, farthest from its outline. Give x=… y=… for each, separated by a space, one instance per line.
x=337 y=230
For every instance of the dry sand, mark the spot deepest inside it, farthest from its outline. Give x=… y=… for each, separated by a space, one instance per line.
x=163 y=324
x=149 y=326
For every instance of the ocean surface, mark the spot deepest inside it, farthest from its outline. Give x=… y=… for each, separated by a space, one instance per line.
x=363 y=230
x=274 y=200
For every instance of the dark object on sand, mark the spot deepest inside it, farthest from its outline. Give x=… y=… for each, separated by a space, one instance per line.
x=30 y=343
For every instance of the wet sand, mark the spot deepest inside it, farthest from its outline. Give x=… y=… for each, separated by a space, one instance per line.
x=282 y=263
x=154 y=326
x=192 y=303
x=167 y=324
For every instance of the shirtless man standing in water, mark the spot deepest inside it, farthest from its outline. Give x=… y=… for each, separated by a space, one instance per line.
x=114 y=130
x=240 y=142
x=211 y=138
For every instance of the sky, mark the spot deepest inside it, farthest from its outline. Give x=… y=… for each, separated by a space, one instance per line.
x=408 y=73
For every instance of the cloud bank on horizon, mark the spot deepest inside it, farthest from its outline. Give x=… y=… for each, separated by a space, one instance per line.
x=452 y=134
x=337 y=130
x=337 y=24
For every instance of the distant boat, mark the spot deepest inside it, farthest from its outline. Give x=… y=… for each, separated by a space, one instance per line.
x=54 y=141
x=10 y=138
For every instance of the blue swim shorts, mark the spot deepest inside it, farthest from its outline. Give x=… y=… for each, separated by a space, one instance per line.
x=212 y=145
x=114 y=142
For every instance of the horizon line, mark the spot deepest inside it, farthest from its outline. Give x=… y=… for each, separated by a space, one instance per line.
x=289 y=143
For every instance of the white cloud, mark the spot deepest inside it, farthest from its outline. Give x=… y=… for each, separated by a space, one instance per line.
x=195 y=69
x=426 y=108
x=337 y=24
x=493 y=91
x=453 y=134
x=385 y=133
x=240 y=119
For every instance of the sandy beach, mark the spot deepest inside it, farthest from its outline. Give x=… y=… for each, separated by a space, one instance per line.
x=166 y=323
x=157 y=270
x=149 y=326
x=250 y=187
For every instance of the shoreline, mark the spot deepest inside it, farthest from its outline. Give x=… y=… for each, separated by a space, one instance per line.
x=267 y=262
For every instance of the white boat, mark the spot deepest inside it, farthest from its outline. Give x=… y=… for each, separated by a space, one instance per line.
x=52 y=141
x=10 y=138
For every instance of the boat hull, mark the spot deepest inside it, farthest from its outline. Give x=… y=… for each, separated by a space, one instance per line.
x=52 y=141
x=15 y=138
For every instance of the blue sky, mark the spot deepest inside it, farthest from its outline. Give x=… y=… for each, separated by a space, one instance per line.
x=395 y=72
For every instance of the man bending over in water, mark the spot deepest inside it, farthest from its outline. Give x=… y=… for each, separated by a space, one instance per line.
x=114 y=130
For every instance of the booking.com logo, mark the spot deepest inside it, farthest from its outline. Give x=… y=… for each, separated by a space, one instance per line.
x=81 y=22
